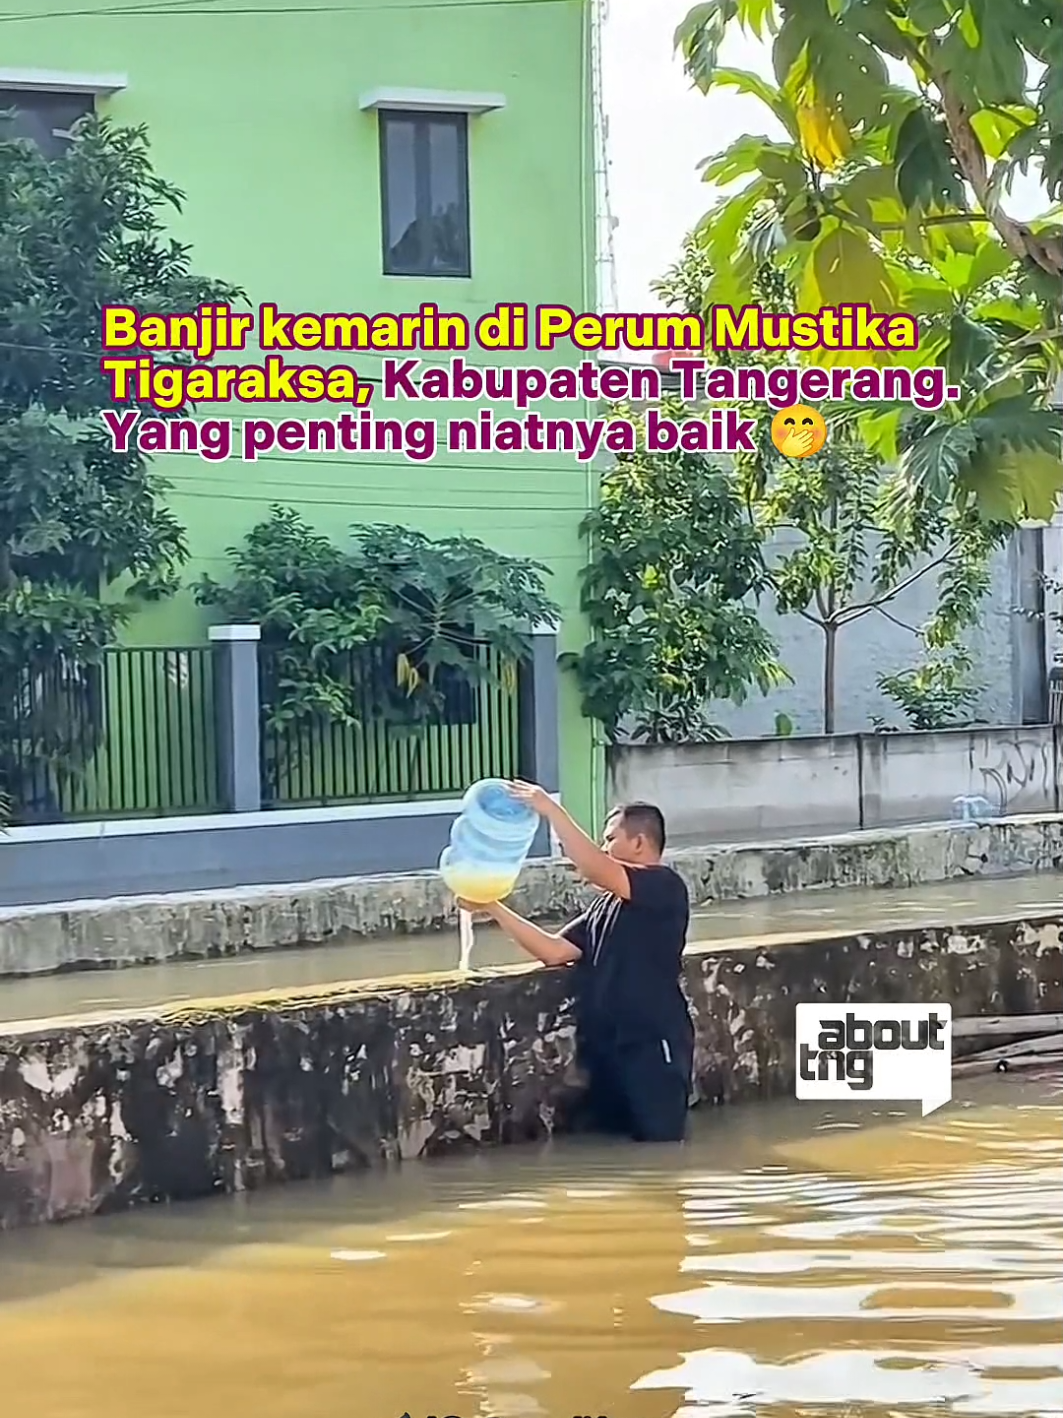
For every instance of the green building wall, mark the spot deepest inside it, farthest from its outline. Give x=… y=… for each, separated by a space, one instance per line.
x=253 y=111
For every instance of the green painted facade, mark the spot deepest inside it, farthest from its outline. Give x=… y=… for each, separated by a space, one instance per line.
x=253 y=110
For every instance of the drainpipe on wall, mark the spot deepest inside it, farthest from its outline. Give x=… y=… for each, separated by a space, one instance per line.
x=592 y=122
x=1052 y=543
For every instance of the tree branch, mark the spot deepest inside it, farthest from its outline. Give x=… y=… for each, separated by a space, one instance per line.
x=902 y=624
x=877 y=228
x=861 y=608
x=1039 y=337
x=1046 y=251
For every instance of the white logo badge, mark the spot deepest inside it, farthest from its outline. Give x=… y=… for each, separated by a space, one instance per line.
x=895 y=1052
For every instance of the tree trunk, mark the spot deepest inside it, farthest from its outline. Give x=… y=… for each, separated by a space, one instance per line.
x=1043 y=248
x=830 y=647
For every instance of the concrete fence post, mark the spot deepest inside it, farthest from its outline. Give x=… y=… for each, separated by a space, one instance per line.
x=238 y=724
x=539 y=744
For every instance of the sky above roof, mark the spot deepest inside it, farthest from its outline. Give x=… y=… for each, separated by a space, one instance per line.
x=660 y=129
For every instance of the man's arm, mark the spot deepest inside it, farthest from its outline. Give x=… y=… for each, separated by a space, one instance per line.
x=547 y=948
x=594 y=865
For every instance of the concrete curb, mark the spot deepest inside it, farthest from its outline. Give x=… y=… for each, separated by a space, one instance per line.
x=151 y=929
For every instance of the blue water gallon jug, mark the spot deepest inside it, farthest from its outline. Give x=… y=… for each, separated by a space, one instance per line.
x=972 y=808
x=489 y=843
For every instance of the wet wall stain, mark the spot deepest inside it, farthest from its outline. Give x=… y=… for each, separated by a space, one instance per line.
x=234 y=1095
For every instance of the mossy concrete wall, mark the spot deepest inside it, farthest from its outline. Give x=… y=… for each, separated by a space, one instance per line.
x=147 y=929
x=99 y=1115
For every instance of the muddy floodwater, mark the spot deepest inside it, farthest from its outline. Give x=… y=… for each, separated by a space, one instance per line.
x=789 y=1262
x=783 y=917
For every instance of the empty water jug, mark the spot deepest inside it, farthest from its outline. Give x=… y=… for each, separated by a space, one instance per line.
x=489 y=842
x=971 y=808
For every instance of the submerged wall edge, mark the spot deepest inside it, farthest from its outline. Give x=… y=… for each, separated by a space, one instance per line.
x=97 y=1115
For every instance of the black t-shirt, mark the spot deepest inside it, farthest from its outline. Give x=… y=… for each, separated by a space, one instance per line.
x=631 y=952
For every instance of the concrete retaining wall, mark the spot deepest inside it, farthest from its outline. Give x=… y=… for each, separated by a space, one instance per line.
x=130 y=856
x=149 y=929
x=96 y=1116
x=739 y=789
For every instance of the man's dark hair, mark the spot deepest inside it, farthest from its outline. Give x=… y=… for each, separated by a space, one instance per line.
x=642 y=819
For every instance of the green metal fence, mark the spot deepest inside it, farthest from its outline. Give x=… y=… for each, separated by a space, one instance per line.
x=134 y=735
x=129 y=736
x=473 y=733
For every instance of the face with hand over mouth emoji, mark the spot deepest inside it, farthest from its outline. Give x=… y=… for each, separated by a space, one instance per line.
x=798 y=432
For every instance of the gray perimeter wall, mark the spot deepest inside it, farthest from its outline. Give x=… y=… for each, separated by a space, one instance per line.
x=93 y=860
x=875 y=645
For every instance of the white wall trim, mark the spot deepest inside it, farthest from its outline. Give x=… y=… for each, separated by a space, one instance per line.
x=432 y=101
x=59 y=81
x=235 y=632
x=225 y=821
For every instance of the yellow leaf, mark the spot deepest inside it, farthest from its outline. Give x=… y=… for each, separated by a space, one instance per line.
x=850 y=271
x=824 y=137
x=968 y=25
x=1022 y=483
x=406 y=675
x=810 y=299
x=954 y=237
x=880 y=431
x=996 y=127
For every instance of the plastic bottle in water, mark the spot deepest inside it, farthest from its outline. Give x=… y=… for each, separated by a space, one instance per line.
x=489 y=842
x=972 y=809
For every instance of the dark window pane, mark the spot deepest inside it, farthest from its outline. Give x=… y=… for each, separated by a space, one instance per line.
x=446 y=161
x=425 y=194
x=400 y=191
x=45 y=119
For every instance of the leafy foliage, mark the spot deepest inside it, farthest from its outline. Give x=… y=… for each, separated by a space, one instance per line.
x=674 y=564
x=423 y=605
x=1055 y=588
x=859 y=534
x=852 y=555
x=84 y=534
x=938 y=694
x=896 y=197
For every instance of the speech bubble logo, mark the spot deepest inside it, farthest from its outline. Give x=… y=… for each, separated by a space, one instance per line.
x=890 y=1052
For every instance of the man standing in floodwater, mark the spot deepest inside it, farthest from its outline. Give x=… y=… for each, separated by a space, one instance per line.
x=635 y=1038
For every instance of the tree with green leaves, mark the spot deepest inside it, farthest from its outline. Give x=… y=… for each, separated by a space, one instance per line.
x=841 y=535
x=843 y=552
x=85 y=535
x=939 y=693
x=670 y=595
x=422 y=604
x=895 y=195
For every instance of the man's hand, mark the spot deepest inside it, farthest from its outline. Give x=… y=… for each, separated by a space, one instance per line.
x=473 y=906
x=531 y=795
x=549 y=948
x=588 y=858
